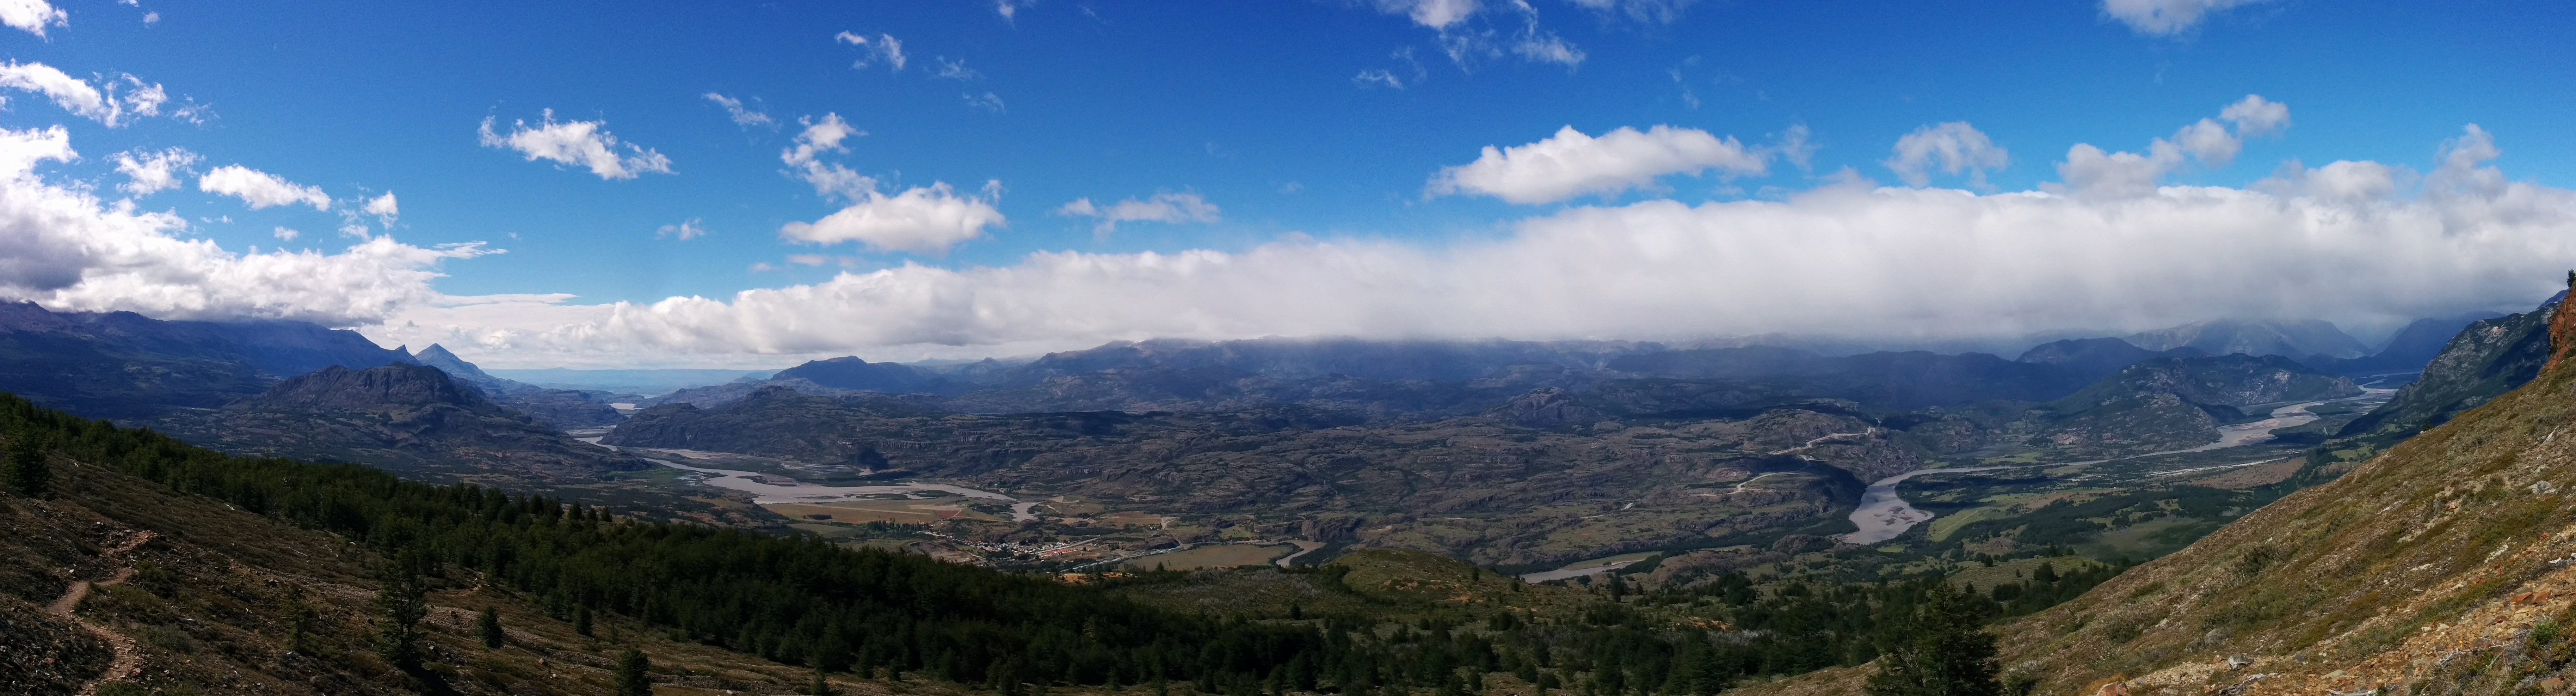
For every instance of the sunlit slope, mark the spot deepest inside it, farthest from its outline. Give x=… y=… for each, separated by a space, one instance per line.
x=2426 y=567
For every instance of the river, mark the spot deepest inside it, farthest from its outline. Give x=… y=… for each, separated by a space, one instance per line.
x=772 y=488
x=1884 y=515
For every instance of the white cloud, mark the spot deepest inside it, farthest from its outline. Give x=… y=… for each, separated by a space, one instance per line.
x=1572 y=164
x=151 y=18
x=1651 y=11
x=830 y=180
x=1162 y=207
x=1952 y=148
x=285 y=235
x=261 y=189
x=1010 y=9
x=689 y=229
x=32 y=16
x=742 y=116
x=581 y=143
x=1436 y=14
x=2342 y=181
x=1546 y=47
x=883 y=49
x=988 y=102
x=102 y=103
x=2088 y=171
x=1377 y=77
x=2255 y=115
x=62 y=247
x=926 y=220
x=2166 y=17
x=385 y=208
x=956 y=70
x=151 y=172
x=1844 y=259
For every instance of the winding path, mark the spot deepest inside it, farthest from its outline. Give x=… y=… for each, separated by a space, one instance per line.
x=128 y=660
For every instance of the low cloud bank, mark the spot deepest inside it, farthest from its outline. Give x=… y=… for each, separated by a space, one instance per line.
x=2361 y=244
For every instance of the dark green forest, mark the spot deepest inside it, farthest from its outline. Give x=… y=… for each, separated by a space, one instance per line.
x=801 y=601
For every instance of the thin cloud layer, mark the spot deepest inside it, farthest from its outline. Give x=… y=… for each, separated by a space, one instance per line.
x=1572 y=164
x=62 y=247
x=1846 y=259
x=2167 y=17
x=1162 y=207
x=579 y=143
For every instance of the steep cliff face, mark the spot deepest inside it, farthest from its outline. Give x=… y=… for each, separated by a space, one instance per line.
x=2482 y=362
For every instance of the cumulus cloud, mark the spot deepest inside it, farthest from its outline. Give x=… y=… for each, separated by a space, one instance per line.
x=285 y=235
x=742 y=115
x=1010 y=9
x=1952 y=148
x=2089 y=171
x=1162 y=207
x=260 y=189
x=882 y=49
x=580 y=143
x=32 y=16
x=149 y=172
x=113 y=102
x=925 y=220
x=689 y=229
x=2167 y=17
x=385 y=208
x=1572 y=164
x=62 y=247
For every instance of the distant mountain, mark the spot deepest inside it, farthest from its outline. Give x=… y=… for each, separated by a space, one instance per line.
x=124 y=365
x=646 y=382
x=564 y=409
x=2407 y=352
x=2096 y=358
x=410 y=419
x=2483 y=361
x=2293 y=339
x=858 y=375
x=2170 y=403
x=1900 y=381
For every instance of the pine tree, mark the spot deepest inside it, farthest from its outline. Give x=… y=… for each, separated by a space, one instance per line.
x=581 y=621
x=634 y=674
x=401 y=604
x=27 y=472
x=1945 y=651
x=821 y=686
x=490 y=626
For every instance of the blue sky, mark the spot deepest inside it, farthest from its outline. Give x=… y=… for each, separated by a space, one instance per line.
x=1287 y=121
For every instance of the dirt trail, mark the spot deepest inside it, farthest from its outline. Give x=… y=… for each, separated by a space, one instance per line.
x=128 y=659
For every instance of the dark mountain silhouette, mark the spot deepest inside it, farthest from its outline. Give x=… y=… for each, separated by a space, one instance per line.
x=858 y=375
x=124 y=365
x=411 y=419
